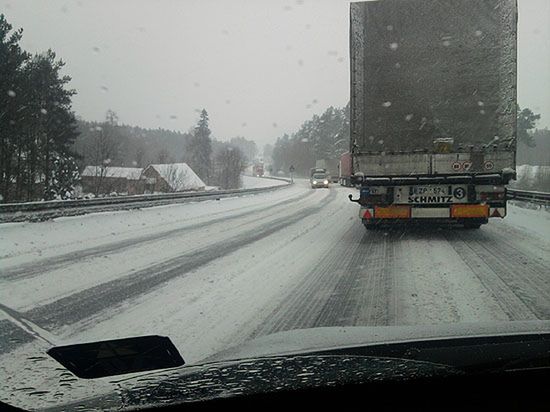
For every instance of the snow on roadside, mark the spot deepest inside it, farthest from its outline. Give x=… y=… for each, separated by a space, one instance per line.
x=534 y=221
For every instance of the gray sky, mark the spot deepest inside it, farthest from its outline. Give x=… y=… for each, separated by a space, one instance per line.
x=260 y=67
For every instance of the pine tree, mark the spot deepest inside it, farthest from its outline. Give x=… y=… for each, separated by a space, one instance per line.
x=199 y=149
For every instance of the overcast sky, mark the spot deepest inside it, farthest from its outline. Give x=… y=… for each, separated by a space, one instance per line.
x=259 y=67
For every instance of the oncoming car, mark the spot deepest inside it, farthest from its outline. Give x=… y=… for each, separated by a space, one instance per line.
x=319 y=180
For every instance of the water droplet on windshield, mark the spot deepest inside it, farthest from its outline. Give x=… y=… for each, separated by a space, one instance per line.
x=482 y=111
x=96 y=50
x=394 y=46
x=446 y=43
x=104 y=89
x=397 y=65
x=301 y=62
x=409 y=117
x=389 y=27
x=11 y=93
x=274 y=124
x=43 y=111
x=381 y=141
x=479 y=33
x=386 y=104
x=173 y=117
x=480 y=103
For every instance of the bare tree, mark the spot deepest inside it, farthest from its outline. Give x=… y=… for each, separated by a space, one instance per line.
x=230 y=163
x=103 y=149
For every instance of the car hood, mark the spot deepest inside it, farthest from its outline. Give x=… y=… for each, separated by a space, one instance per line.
x=322 y=356
x=304 y=341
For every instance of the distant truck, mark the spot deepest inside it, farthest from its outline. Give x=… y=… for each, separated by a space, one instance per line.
x=433 y=109
x=331 y=168
x=314 y=170
x=345 y=169
x=258 y=170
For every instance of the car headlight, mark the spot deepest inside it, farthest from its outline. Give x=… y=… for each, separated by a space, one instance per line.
x=326 y=182
x=315 y=182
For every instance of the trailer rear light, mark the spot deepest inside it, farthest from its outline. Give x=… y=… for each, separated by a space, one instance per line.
x=459 y=211
x=392 y=212
x=491 y=196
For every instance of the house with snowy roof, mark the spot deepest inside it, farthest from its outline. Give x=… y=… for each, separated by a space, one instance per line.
x=172 y=177
x=109 y=179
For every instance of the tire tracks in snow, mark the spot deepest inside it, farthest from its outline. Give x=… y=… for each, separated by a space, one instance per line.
x=114 y=293
x=39 y=267
x=505 y=296
x=351 y=286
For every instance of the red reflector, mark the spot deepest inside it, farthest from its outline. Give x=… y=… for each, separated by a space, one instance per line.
x=368 y=214
x=496 y=213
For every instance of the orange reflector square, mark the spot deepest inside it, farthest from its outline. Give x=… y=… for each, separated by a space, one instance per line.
x=469 y=211
x=392 y=212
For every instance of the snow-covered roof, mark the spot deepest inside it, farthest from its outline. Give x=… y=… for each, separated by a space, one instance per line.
x=130 y=173
x=179 y=176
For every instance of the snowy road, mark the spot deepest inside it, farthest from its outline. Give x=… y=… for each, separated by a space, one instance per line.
x=214 y=274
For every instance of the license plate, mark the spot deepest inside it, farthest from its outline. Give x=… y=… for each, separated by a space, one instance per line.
x=432 y=194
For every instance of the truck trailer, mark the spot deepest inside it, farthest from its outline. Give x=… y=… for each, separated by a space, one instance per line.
x=433 y=109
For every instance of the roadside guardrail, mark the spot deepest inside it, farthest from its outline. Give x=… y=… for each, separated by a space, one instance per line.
x=529 y=196
x=17 y=212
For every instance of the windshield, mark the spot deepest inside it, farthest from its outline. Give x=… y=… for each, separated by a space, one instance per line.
x=157 y=161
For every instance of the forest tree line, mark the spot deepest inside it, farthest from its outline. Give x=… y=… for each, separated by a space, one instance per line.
x=324 y=136
x=110 y=143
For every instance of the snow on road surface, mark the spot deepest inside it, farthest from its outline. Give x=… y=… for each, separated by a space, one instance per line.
x=251 y=182
x=214 y=274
